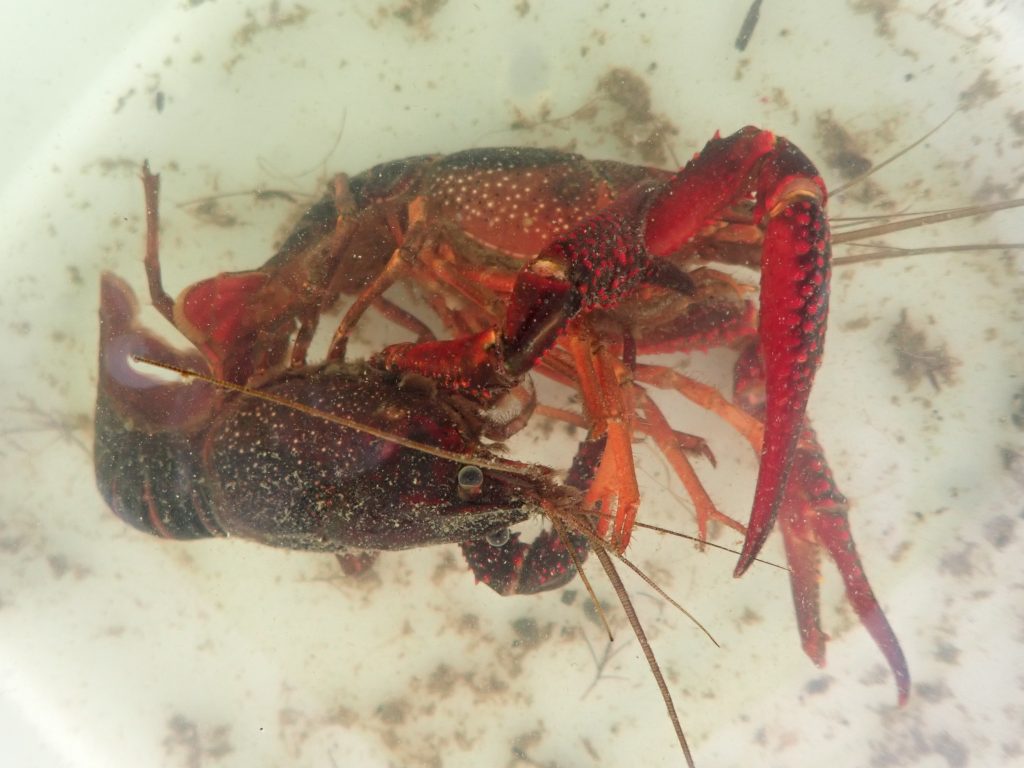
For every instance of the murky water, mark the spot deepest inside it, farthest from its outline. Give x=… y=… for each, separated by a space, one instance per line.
x=121 y=649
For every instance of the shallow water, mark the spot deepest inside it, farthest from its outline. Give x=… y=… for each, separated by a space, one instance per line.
x=121 y=649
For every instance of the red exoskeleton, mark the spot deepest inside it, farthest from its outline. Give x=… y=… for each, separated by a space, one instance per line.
x=544 y=261
x=535 y=261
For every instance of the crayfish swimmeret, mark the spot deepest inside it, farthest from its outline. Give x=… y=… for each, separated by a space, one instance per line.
x=535 y=261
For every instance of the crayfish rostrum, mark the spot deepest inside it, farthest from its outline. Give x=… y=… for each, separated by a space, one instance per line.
x=534 y=261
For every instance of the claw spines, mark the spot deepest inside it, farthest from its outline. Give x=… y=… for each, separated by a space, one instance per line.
x=616 y=236
x=794 y=311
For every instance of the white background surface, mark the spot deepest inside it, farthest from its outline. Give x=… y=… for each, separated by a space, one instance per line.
x=119 y=649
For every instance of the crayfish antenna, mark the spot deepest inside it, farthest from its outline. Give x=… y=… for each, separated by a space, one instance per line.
x=596 y=541
x=912 y=221
x=601 y=552
x=604 y=554
x=836 y=191
x=704 y=543
x=887 y=252
x=560 y=528
x=665 y=596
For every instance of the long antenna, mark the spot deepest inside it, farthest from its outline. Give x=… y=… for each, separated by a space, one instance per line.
x=498 y=465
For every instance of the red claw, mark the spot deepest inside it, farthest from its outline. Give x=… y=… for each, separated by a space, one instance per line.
x=814 y=519
x=795 y=273
x=794 y=308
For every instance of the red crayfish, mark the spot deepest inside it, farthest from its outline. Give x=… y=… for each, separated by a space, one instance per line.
x=534 y=260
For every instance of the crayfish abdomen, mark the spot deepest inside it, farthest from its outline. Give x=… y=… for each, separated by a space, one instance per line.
x=151 y=479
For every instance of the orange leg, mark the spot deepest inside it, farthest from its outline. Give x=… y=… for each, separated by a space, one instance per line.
x=665 y=438
x=482 y=287
x=670 y=442
x=404 y=319
x=690 y=444
x=706 y=397
x=607 y=399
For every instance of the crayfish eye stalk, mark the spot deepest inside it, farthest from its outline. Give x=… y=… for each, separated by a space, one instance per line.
x=499 y=537
x=471 y=482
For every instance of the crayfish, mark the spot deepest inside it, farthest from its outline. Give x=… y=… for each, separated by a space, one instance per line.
x=534 y=261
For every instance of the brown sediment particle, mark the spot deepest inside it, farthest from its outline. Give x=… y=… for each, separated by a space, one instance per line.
x=275 y=19
x=857 y=324
x=212 y=212
x=442 y=681
x=638 y=129
x=416 y=14
x=947 y=652
x=621 y=108
x=393 y=712
x=999 y=531
x=530 y=634
x=1017 y=409
x=843 y=152
x=915 y=360
x=982 y=90
x=183 y=735
x=880 y=11
x=1016 y=122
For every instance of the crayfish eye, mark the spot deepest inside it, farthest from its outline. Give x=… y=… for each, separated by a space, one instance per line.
x=471 y=481
x=499 y=537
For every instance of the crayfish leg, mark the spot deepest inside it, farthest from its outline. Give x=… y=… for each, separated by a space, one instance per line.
x=669 y=444
x=407 y=249
x=608 y=402
x=162 y=301
x=706 y=397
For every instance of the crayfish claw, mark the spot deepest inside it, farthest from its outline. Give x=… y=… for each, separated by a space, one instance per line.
x=813 y=519
x=832 y=530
